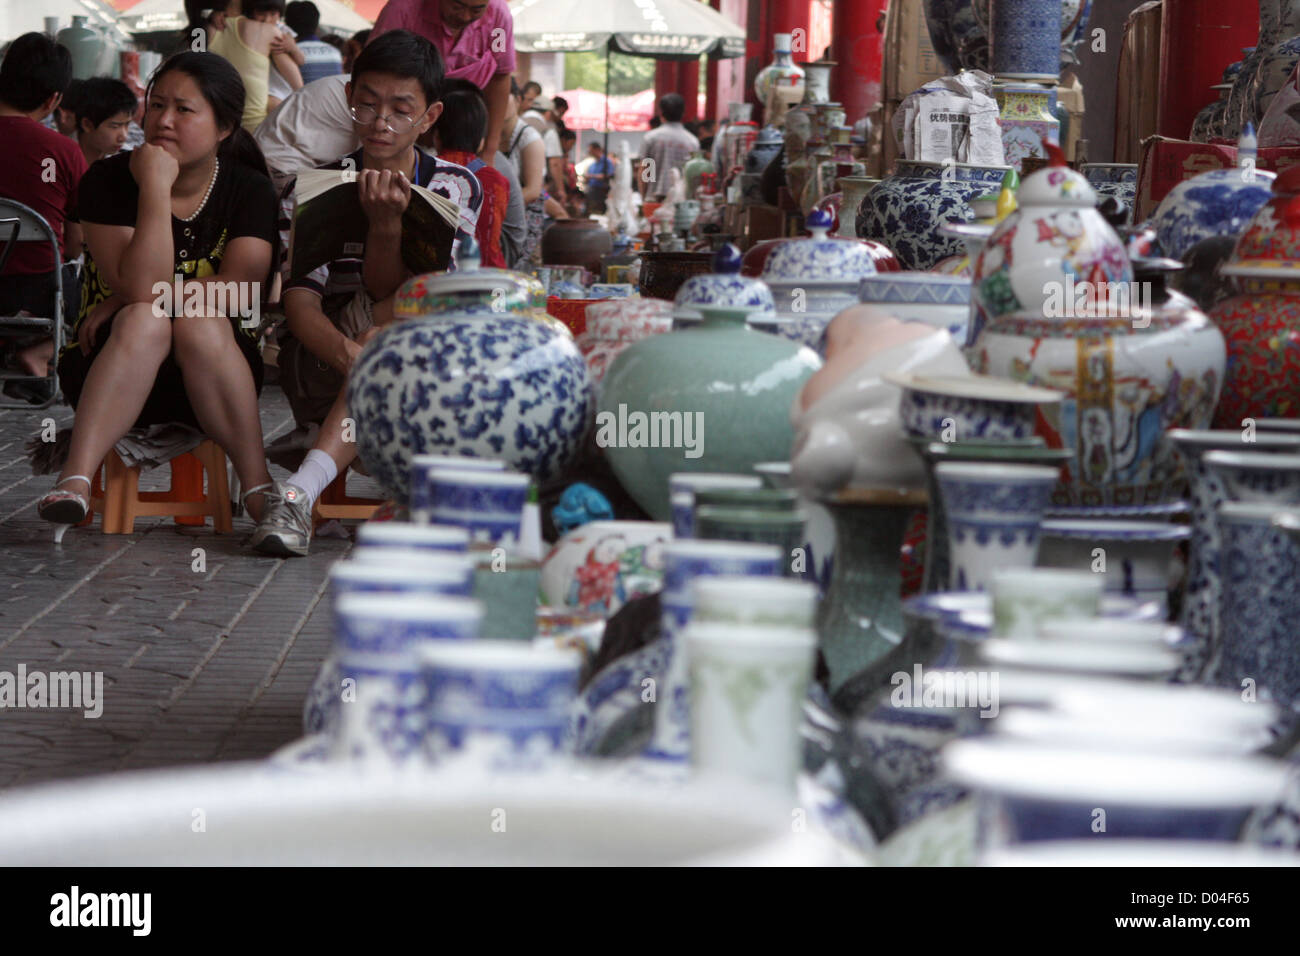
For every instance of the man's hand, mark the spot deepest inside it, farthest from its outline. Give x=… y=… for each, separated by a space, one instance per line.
x=384 y=196
x=153 y=166
x=347 y=355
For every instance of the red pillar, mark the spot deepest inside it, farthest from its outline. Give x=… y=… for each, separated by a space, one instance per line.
x=711 y=105
x=790 y=16
x=1198 y=38
x=859 y=51
x=665 y=78
x=688 y=74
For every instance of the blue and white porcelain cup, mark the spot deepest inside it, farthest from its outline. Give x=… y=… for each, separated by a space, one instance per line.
x=994 y=513
x=684 y=561
x=422 y=467
x=407 y=534
x=489 y=504
x=429 y=577
x=394 y=623
x=1030 y=791
x=383 y=714
x=1025 y=598
x=681 y=494
x=505 y=703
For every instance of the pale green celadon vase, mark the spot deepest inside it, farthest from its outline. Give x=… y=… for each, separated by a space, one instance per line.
x=736 y=385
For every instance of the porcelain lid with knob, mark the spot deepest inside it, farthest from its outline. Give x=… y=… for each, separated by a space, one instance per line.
x=725 y=286
x=820 y=260
x=1270 y=245
x=469 y=289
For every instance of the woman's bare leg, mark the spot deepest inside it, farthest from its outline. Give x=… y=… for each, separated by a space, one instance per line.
x=219 y=384
x=117 y=385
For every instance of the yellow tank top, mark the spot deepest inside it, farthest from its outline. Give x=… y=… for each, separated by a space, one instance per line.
x=254 y=69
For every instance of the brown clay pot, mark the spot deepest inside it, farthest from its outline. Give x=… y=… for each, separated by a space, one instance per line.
x=576 y=242
x=662 y=273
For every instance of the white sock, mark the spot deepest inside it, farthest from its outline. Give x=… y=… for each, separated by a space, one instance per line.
x=316 y=471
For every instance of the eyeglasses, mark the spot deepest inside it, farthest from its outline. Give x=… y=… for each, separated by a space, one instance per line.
x=395 y=122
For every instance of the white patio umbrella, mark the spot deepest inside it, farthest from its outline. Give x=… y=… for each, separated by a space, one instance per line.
x=659 y=29
x=663 y=29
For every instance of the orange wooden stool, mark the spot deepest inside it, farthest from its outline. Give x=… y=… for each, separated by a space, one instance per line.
x=115 y=492
x=334 y=502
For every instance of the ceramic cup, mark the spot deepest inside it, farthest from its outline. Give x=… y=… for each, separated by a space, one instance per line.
x=759 y=601
x=405 y=534
x=422 y=467
x=1134 y=557
x=1031 y=791
x=747 y=689
x=489 y=504
x=684 y=562
x=505 y=703
x=391 y=623
x=453 y=577
x=785 y=529
x=507 y=585
x=1025 y=597
x=681 y=490
x=993 y=512
x=383 y=717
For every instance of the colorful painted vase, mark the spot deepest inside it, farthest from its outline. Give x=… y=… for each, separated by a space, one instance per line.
x=1026 y=121
x=1262 y=323
x=780 y=84
x=604 y=564
x=905 y=209
x=614 y=325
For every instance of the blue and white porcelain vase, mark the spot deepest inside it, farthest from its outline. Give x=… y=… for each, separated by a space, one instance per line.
x=1201 y=595
x=1114 y=179
x=1258 y=610
x=906 y=209
x=939 y=300
x=471 y=371
x=1025 y=40
x=960 y=33
x=1218 y=203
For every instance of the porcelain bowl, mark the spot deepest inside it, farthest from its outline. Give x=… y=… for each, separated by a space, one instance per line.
x=939 y=300
x=966 y=407
x=601 y=565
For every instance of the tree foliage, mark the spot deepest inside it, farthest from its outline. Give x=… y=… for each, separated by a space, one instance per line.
x=628 y=74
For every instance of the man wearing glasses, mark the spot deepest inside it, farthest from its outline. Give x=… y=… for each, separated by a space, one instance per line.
x=477 y=42
x=394 y=97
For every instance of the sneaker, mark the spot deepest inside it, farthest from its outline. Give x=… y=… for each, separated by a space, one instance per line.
x=285 y=528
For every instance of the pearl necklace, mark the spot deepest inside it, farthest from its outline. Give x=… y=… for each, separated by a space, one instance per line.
x=216 y=168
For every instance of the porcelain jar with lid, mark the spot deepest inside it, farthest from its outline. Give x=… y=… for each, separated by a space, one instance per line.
x=1262 y=322
x=905 y=209
x=1054 y=241
x=725 y=286
x=1218 y=203
x=813 y=279
x=1130 y=372
x=469 y=370
x=712 y=397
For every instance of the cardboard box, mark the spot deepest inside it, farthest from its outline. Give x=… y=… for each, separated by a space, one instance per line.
x=1167 y=162
x=910 y=62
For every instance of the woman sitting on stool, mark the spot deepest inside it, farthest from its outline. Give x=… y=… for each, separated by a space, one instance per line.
x=193 y=203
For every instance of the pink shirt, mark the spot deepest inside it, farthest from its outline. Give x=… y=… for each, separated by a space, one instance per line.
x=485 y=47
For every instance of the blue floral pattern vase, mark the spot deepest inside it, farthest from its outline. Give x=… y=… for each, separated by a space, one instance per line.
x=906 y=209
x=1218 y=203
x=469 y=381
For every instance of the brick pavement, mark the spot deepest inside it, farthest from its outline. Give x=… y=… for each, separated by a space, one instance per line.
x=197 y=666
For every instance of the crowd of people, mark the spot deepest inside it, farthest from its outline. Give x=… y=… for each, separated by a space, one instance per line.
x=195 y=183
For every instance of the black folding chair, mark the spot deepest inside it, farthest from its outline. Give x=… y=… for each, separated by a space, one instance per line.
x=19 y=223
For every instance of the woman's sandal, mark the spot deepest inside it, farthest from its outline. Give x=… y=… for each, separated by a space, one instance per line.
x=65 y=507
